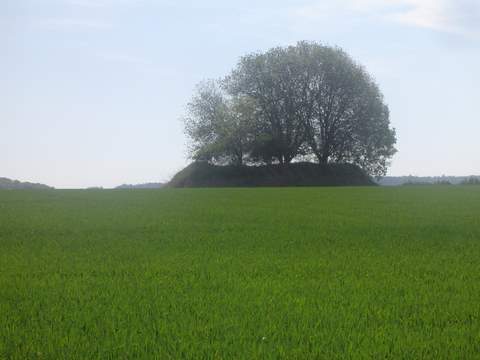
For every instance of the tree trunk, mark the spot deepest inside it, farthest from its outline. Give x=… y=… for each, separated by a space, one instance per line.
x=323 y=156
x=322 y=160
x=238 y=159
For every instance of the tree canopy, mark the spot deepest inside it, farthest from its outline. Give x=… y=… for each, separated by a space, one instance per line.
x=307 y=101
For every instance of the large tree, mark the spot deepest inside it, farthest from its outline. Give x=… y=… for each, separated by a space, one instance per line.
x=349 y=121
x=276 y=81
x=307 y=99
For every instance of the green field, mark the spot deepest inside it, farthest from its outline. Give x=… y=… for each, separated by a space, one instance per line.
x=241 y=273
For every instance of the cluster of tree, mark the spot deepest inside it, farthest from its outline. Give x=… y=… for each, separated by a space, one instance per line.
x=472 y=180
x=302 y=102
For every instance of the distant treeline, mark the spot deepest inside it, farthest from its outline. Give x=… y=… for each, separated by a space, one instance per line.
x=429 y=180
x=8 y=184
x=141 y=186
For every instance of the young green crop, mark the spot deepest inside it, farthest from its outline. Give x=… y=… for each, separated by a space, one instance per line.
x=241 y=273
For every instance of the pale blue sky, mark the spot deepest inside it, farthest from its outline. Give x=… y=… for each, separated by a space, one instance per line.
x=92 y=91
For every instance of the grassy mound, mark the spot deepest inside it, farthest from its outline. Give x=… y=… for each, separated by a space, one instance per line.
x=201 y=174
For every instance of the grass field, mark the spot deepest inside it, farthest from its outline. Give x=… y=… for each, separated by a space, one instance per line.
x=241 y=273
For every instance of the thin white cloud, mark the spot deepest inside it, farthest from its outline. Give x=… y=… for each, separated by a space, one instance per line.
x=125 y=58
x=87 y=3
x=73 y=23
x=128 y=60
x=102 y=3
x=452 y=16
x=458 y=16
x=429 y=14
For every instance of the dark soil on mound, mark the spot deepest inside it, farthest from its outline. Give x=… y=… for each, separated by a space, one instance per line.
x=202 y=174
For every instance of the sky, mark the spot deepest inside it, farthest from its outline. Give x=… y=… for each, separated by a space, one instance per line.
x=92 y=92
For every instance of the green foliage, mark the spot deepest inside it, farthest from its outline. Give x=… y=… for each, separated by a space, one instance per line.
x=299 y=273
x=303 y=100
x=220 y=126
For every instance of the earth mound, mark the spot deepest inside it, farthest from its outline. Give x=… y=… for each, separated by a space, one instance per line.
x=202 y=174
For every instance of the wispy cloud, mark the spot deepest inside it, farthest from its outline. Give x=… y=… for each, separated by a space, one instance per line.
x=91 y=12
x=128 y=60
x=457 y=16
x=73 y=23
x=87 y=3
x=452 y=16
x=102 y=3
x=125 y=58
